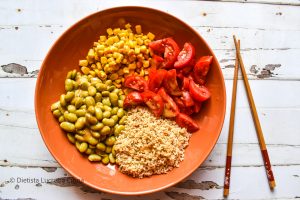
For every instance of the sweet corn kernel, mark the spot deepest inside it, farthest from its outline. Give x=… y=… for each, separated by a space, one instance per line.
x=85 y=70
x=139 y=41
x=83 y=63
x=132 y=66
x=138 y=29
x=120 y=72
x=110 y=41
x=93 y=66
x=117 y=85
x=118 y=80
x=102 y=38
x=116 y=31
x=109 y=31
x=137 y=50
x=128 y=26
x=125 y=70
x=91 y=54
x=114 y=76
x=99 y=65
x=102 y=75
x=151 y=36
x=93 y=73
x=146 y=63
x=142 y=73
x=103 y=60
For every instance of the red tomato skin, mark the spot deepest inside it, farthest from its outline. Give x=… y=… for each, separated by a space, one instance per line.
x=132 y=99
x=154 y=102
x=156 y=61
x=185 y=56
x=170 y=83
x=171 y=53
x=187 y=99
x=199 y=93
x=137 y=83
x=170 y=108
x=197 y=106
x=187 y=122
x=156 y=78
x=157 y=46
x=201 y=69
x=185 y=83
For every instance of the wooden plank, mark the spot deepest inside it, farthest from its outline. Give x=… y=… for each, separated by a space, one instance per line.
x=276 y=2
x=67 y=12
x=18 y=183
x=263 y=58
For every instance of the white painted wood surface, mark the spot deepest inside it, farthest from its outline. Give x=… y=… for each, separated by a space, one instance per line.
x=269 y=31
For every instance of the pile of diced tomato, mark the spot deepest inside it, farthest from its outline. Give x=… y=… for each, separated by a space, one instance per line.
x=176 y=85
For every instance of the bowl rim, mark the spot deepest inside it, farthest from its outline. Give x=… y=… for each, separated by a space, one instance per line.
x=71 y=172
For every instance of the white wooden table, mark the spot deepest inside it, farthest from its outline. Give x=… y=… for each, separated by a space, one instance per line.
x=270 y=40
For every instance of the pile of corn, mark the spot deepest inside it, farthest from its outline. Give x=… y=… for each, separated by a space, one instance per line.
x=119 y=54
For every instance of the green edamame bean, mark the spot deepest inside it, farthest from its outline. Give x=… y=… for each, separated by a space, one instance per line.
x=122 y=97
x=91 y=109
x=62 y=100
x=108 y=122
x=92 y=146
x=69 y=96
x=97 y=127
x=118 y=129
x=108 y=149
x=92 y=90
x=110 y=141
x=105 y=93
x=75 y=85
x=71 y=138
x=123 y=120
x=78 y=101
x=101 y=146
x=80 y=123
x=111 y=158
x=95 y=134
x=57 y=113
x=115 y=118
x=84 y=94
x=80 y=112
x=106 y=114
x=79 y=138
x=61 y=119
x=71 y=108
x=81 y=132
x=91 y=140
x=113 y=151
x=98 y=113
x=61 y=109
x=68 y=85
x=89 y=151
x=98 y=97
x=105 y=130
x=101 y=87
x=83 y=147
x=116 y=90
x=120 y=103
x=55 y=106
x=84 y=85
x=91 y=119
x=105 y=160
x=69 y=75
x=77 y=144
x=94 y=157
x=111 y=88
x=74 y=73
x=83 y=107
x=113 y=97
x=107 y=108
x=89 y=101
x=71 y=117
x=114 y=111
x=108 y=82
x=67 y=126
x=120 y=112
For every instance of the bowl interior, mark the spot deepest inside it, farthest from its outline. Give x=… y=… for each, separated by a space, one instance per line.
x=72 y=46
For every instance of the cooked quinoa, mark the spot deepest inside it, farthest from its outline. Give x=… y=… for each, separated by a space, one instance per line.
x=149 y=145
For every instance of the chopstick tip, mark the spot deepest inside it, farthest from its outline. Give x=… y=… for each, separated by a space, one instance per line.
x=226 y=192
x=272 y=184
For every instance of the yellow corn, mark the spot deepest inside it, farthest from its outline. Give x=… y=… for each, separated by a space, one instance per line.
x=109 y=31
x=85 y=70
x=83 y=63
x=138 y=29
x=151 y=36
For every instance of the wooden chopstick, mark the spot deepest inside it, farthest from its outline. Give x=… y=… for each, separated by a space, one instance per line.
x=259 y=132
x=231 y=128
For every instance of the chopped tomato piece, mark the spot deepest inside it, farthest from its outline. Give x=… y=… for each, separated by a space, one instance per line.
x=179 y=102
x=133 y=99
x=154 y=102
x=187 y=110
x=187 y=122
x=156 y=78
x=185 y=56
x=136 y=82
x=156 y=61
x=170 y=83
x=170 y=109
x=198 y=93
x=169 y=48
x=185 y=83
x=187 y=99
x=201 y=69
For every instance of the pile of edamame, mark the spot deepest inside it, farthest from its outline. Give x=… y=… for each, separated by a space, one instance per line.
x=92 y=115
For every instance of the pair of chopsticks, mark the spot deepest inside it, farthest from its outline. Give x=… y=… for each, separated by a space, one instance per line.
x=259 y=132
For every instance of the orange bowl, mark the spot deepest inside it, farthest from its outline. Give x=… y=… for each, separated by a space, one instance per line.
x=72 y=46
